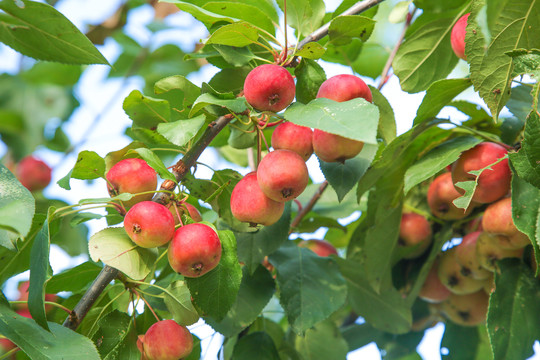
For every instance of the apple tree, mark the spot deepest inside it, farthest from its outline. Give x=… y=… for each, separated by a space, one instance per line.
x=442 y=219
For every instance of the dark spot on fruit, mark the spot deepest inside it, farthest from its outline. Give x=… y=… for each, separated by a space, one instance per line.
x=137 y=228
x=453 y=280
x=287 y=192
x=465 y=315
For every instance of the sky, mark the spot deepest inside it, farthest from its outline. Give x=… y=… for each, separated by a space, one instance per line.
x=100 y=122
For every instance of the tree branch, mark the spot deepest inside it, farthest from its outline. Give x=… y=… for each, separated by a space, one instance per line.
x=309 y=205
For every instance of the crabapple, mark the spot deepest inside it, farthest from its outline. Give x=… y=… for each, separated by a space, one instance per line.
x=451 y=275
x=194 y=250
x=457 y=36
x=149 y=224
x=282 y=175
x=182 y=207
x=468 y=309
x=497 y=219
x=466 y=256
x=165 y=340
x=269 y=87
x=289 y=136
x=493 y=183
x=331 y=147
x=23 y=288
x=250 y=204
x=440 y=196
x=433 y=290
x=33 y=173
x=414 y=232
x=319 y=247
x=132 y=176
x=489 y=251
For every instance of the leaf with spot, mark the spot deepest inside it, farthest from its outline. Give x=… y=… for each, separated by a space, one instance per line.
x=89 y=166
x=347 y=27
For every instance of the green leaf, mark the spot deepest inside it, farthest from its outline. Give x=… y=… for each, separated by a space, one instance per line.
x=387 y=122
x=323 y=341
x=346 y=27
x=237 y=34
x=178 y=302
x=75 y=279
x=525 y=161
x=254 y=246
x=492 y=69
x=370 y=62
x=113 y=247
x=512 y=330
x=40 y=273
x=520 y=102
x=307 y=299
x=236 y=56
x=344 y=176
x=526 y=211
x=386 y=310
x=251 y=13
x=426 y=56
x=89 y=166
x=311 y=50
x=309 y=77
x=208 y=18
x=178 y=91
x=114 y=331
x=304 y=15
x=437 y=159
x=40 y=344
x=465 y=343
x=145 y=111
x=17 y=208
x=436 y=6
x=154 y=162
x=255 y=292
x=236 y=105
x=181 y=131
x=438 y=95
x=257 y=345
x=399 y=12
x=38 y=30
x=215 y=292
x=243 y=135
x=355 y=119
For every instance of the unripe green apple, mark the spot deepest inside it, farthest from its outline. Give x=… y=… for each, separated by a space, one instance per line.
x=414 y=232
x=466 y=256
x=451 y=275
x=468 y=309
x=250 y=204
x=289 y=136
x=457 y=36
x=440 y=196
x=433 y=290
x=489 y=251
x=33 y=173
x=319 y=247
x=269 y=87
x=194 y=250
x=492 y=184
x=166 y=340
x=149 y=224
x=282 y=175
x=497 y=219
x=132 y=176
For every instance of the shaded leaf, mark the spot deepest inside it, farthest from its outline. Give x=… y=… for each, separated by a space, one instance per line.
x=346 y=27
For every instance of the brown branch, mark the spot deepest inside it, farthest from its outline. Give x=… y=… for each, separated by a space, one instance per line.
x=309 y=205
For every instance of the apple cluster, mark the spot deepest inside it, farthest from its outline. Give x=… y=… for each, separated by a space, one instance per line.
x=462 y=277
x=282 y=174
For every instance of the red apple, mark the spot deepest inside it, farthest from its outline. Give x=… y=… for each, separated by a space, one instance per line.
x=467 y=257
x=166 y=340
x=319 y=247
x=497 y=219
x=466 y=310
x=282 y=175
x=414 y=232
x=250 y=204
x=489 y=251
x=33 y=173
x=451 y=275
x=182 y=207
x=433 y=290
x=440 y=196
x=289 y=136
x=493 y=183
x=194 y=250
x=149 y=224
x=269 y=87
x=457 y=37
x=344 y=87
x=132 y=176
x=23 y=296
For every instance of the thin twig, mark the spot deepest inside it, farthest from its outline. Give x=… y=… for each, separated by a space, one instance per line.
x=309 y=205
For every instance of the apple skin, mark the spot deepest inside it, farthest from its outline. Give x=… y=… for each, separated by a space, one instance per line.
x=466 y=256
x=497 y=219
x=289 y=136
x=23 y=288
x=457 y=37
x=269 y=87
x=33 y=173
x=440 y=196
x=433 y=290
x=250 y=204
x=414 y=231
x=468 y=309
x=182 y=208
x=132 y=176
x=320 y=247
x=344 y=87
x=282 y=175
x=149 y=224
x=489 y=251
x=451 y=275
x=166 y=340
x=492 y=184
x=194 y=250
